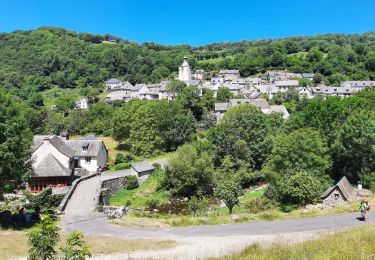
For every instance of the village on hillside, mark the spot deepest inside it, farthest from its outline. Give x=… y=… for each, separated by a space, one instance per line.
x=250 y=90
x=267 y=85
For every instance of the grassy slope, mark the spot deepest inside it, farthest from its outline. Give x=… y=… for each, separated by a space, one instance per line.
x=139 y=197
x=51 y=95
x=14 y=244
x=112 y=146
x=357 y=243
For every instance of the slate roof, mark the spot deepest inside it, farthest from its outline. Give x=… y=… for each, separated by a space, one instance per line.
x=113 y=81
x=229 y=72
x=358 y=83
x=308 y=75
x=138 y=87
x=118 y=95
x=142 y=167
x=280 y=83
x=56 y=141
x=193 y=82
x=51 y=167
x=260 y=103
x=344 y=187
x=221 y=106
x=278 y=109
x=93 y=150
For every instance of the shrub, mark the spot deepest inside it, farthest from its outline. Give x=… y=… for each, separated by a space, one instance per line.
x=45 y=199
x=122 y=166
x=157 y=166
x=152 y=203
x=288 y=207
x=123 y=158
x=300 y=188
x=76 y=248
x=198 y=205
x=120 y=158
x=43 y=239
x=132 y=182
x=259 y=204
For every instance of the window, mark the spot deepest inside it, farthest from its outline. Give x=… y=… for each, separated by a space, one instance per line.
x=88 y=159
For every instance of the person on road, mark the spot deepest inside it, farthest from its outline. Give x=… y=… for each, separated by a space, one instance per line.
x=363 y=209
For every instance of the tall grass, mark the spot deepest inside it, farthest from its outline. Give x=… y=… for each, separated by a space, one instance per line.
x=357 y=243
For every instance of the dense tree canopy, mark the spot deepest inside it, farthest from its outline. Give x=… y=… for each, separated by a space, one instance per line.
x=243 y=134
x=15 y=142
x=353 y=150
x=36 y=60
x=303 y=150
x=190 y=172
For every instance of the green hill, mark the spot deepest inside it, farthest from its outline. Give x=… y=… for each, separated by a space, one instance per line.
x=41 y=59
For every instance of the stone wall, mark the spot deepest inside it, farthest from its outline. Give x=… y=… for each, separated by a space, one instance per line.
x=111 y=187
x=334 y=199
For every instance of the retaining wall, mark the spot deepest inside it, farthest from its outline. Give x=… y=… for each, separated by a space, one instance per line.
x=111 y=187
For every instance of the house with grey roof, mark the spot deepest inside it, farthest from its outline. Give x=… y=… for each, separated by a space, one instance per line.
x=358 y=84
x=55 y=159
x=284 y=85
x=113 y=83
x=272 y=76
x=121 y=95
x=90 y=154
x=262 y=104
x=229 y=75
x=309 y=76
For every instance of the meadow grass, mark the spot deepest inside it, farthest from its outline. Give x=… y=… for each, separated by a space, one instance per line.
x=114 y=148
x=356 y=243
x=14 y=244
x=140 y=196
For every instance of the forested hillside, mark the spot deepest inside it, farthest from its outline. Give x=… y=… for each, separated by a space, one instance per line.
x=322 y=140
x=36 y=60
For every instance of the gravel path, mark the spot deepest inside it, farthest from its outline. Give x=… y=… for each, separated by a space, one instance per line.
x=190 y=249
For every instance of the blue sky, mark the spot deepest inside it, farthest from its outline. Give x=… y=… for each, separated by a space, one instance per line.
x=191 y=21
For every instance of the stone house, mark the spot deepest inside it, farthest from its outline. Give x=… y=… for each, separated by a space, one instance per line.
x=284 y=85
x=113 y=83
x=358 y=84
x=229 y=75
x=262 y=104
x=338 y=194
x=52 y=162
x=122 y=95
x=199 y=75
x=89 y=153
x=343 y=191
x=55 y=159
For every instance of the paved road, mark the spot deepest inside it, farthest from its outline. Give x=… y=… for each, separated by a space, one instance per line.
x=80 y=215
x=100 y=227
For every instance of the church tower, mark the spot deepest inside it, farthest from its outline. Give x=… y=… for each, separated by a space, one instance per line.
x=184 y=71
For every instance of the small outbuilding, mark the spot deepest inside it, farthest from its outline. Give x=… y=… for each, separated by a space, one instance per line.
x=142 y=170
x=343 y=191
